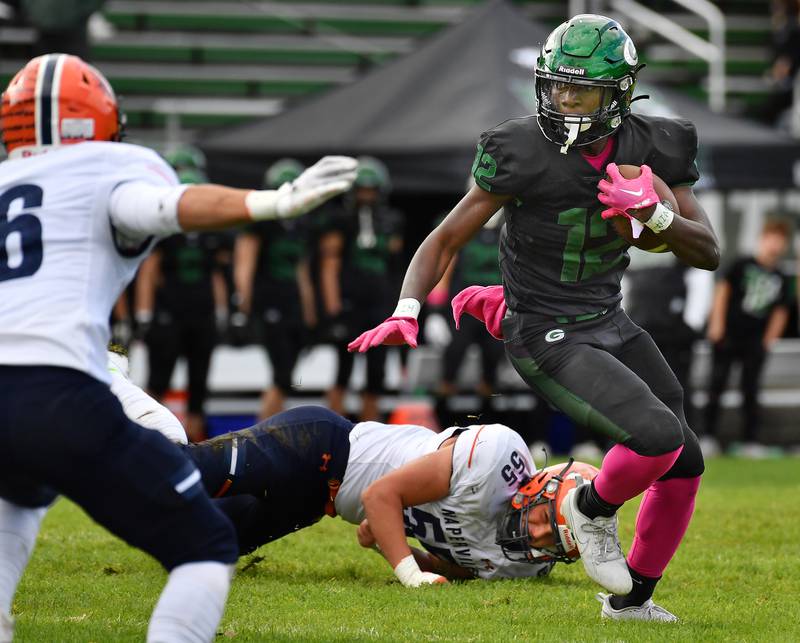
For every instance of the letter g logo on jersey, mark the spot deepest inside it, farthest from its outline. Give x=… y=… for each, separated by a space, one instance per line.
x=555 y=335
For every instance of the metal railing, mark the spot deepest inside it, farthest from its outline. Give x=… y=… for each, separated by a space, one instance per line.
x=711 y=50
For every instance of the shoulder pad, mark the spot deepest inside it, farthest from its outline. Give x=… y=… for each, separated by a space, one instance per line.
x=507 y=156
x=673 y=149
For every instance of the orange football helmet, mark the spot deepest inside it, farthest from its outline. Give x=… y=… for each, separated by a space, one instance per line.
x=547 y=487
x=58 y=99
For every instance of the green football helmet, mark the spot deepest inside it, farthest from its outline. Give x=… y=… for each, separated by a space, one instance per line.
x=592 y=57
x=185 y=157
x=192 y=176
x=282 y=171
x=372 y=173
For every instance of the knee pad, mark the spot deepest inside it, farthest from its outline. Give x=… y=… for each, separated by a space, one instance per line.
x=690 y=463
x=656 y=433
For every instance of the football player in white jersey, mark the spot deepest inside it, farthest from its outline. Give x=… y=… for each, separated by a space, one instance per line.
x=78 y=212
x=453 y=490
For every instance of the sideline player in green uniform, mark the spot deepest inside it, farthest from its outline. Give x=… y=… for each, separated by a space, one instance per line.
x=562 y=262
x=274 y=289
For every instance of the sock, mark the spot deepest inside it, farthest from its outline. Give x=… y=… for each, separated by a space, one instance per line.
x=643 y=588
x=191 y=605
x=18 y=529
x=625 y=474
x=662 y=521
x=591 y=505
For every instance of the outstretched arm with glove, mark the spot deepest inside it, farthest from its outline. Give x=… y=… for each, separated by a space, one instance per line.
x=140 y=209
x=417 y=482
x=427 y=267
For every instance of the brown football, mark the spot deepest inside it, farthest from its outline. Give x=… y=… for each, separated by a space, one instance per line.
x=648 y=240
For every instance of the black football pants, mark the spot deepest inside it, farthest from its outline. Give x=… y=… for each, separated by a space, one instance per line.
x=608 y=375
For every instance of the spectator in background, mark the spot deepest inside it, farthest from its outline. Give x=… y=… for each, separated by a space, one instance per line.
x=274 y=289
x=61 y=25
x=750 y=311
x=358 y=255
x=175 y=309
x=476 y=263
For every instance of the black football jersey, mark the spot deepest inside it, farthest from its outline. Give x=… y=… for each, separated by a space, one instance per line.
x=187 y=264
x=558 y=256
x=755 y=292
x=283 y=247
x=367 y=257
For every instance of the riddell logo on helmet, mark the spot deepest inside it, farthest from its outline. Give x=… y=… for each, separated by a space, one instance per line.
x=572 y=71
x=566 y=538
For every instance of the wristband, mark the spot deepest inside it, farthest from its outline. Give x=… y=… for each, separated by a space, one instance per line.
x=407 y=307
x=408 y=572
x=661 y=219
x=262 y=204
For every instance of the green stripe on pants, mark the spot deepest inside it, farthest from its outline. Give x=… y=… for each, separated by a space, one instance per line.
x=576 y=408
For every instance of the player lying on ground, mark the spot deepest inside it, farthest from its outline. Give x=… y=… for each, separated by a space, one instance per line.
x=562 y=261
x=79 y=210
x=452 y=490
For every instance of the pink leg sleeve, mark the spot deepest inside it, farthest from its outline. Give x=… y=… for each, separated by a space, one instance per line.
x=625 y=474
x=663 y=517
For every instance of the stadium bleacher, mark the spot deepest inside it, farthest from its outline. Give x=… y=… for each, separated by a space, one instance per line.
x=229 y=60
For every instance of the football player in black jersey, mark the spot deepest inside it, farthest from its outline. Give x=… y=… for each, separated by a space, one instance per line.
x=562 y=262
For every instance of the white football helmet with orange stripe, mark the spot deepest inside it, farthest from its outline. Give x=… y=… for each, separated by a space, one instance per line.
x=57 y=99
x=534 y=529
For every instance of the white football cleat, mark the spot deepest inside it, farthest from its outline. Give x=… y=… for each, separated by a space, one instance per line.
x=598 y=545
x=647 y=611
x=6 y=628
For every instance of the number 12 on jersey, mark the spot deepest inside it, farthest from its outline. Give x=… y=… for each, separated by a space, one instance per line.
x=580 y=262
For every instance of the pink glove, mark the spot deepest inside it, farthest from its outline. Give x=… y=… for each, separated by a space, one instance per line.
x=395 y=331
x=484 y=303
x=622 y=194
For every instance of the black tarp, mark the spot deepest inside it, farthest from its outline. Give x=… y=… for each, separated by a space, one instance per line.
x=422 y=114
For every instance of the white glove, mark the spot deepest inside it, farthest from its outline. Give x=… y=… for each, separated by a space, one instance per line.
x=328 y=177
x=410 y=575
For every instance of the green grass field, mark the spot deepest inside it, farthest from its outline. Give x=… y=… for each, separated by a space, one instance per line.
x=736 y=578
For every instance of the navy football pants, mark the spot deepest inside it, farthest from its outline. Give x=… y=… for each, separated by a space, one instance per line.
x=64 y=432
x=275 y=477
